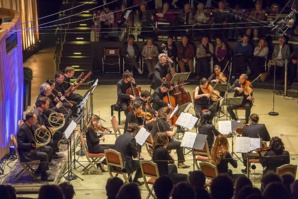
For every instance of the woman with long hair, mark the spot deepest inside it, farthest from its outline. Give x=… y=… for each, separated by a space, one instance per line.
x=93 y=139
x=276 y=155
x=221 y=156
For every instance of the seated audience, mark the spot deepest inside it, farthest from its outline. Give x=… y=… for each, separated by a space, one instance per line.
x=222 y=187
x=50 y=192
x=186 y=53
x=292 y=69
x=268 y=178
x=276 y=190
x=257 y=15
x=183 y=190
x=146 y=19
x=150 y=54
x=219 y=19
x=113 y=186
x=221 y=54
x=246 y=191
x=197 y=179
x=185 y=17
x=200 y=16
x=241 y=182
x=130 y=190
x=205 y=52
x=287 y=180
x=67 y=190
x=163 y=187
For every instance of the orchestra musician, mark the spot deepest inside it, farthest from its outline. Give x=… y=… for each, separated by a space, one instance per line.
x=68 y=74
x=27 y=147
x=122 y=85
x=241 y=87
x=276 y=156
x=254 y=130
x=144 y=99
x=162 y=125
x=93 y=139
x=217 y=76
x=127 y=146
x=42 y=105
x=59 y=87
x=202 y=98
x=161 y=69
x=159 y=94
x=207 y=128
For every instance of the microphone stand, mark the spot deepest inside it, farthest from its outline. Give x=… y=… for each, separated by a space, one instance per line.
x=273 y=113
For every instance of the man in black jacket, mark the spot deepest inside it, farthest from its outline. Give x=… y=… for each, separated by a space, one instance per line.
x=122 y=85
x=161 y=69
x=158 y=96
x=127 y=146
x=27 y=147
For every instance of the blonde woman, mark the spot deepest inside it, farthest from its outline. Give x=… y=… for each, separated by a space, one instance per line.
x=221 y=156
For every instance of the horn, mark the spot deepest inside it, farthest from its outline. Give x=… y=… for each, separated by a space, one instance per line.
x=56 y=122
x=42 y=137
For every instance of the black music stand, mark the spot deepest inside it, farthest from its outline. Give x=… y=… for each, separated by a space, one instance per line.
x=69 y=175
x=222 y=88
x=183 y=108
x=179 y=77
x=232 y=101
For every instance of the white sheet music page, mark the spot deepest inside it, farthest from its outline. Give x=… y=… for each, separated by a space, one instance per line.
x=242 y=144
x=255 y=143
x=71 y=127
x=141 y=136
x=188 y=140
x=174 y=111
x=225 y=127
x=186 y=120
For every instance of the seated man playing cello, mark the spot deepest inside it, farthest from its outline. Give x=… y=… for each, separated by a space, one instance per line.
x=159 y=95
x=242 y=87
x=202 y=98
x=122 y=85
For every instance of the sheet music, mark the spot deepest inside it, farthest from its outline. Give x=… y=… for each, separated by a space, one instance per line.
x=246 y=144
x=141 y=136
x=225 y=127
x=186 y=120
x=188 y=139
x=200 y=142
x=71 y=127
x=174 y=111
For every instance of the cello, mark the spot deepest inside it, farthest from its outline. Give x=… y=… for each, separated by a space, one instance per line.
x=132 y=91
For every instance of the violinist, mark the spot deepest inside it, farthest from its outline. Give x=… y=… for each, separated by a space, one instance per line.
x=202 y=98
x=158 y=96
x=276 y=156
x=254 y=130
x=241 y=87
x=144 y=100
x=161 y=69
x=122 y=86
x=93 y=139
x=218 y=76
x=69 y=73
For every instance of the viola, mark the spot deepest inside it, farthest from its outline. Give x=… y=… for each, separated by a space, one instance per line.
x=221 y=77
x=103 y=129
x=214 y=94
x=247 y=90
x=146 y=115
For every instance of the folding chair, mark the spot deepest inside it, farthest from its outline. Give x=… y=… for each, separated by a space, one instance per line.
x=209 y=170
x=287 y=168
x=27 y=167
x=115 y=164
x=150 y=170
x=115 y=126
x=201 y=155
x=93 y=158
x=111 y=56
x=149 y=145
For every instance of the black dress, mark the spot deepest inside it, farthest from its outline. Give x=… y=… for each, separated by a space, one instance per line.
x=271 y=160
x=93 y=142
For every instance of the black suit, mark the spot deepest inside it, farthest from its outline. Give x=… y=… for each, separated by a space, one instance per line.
x=256 y=131
x=157 y=101
x=27 y=153
x=93 y=142
x=127 y=146
x=210 y=131
x=122 y=97
x=160 y=71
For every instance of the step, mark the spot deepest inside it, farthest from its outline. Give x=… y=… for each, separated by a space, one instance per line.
x=76 y=53
x=80 y=36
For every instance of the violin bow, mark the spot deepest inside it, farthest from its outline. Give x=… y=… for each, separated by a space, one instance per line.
x=256 y=79
x=222 y=73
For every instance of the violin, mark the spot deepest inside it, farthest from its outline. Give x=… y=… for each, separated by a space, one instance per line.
x=247 y=90
x=104 y=129
x=146 y=115
x=221 y=77
x=214 y=94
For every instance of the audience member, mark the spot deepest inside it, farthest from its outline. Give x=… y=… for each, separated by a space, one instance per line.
x=186 y=53
x=268 y=178
x=113 y=186
x=292 y=69
x=67 y=190
x=197 y=179
x=146 y=19
x=222 y=187
x=183 y=190
x=275 y=190
x=50 y=192
x=220 y=19
x=11 y=192
x=287 y=180
x=130 y=190
x=221 y=54
x=246 y=191
x=205 y=52
x=240 y=182
x=185 y=17
x=294 y=189
x=258 y=15
x=4 y=192
x=150 y=54
x=163 y=187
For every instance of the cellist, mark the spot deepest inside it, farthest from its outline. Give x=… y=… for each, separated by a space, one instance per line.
x=202 y=98
x=160 y=70
x=122 y=85
x=159 y=94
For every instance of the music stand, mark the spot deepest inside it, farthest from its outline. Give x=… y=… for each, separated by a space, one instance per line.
x=232 y=101
x=92 y=88
x=68 y=133
x=222 y=88
x=178 y=77
x=183 y=108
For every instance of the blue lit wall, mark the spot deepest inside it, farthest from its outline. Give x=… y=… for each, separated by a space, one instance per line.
x=11 y=88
